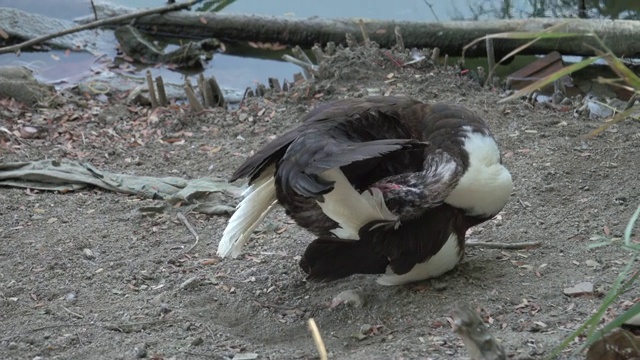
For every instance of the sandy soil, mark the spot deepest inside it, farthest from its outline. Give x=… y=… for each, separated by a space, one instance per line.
x=84 y=276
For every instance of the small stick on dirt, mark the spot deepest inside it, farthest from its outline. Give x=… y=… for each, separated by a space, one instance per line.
x=508 y=246
x=95 y=11
x=205 y=91
x=491 y=59
x=95 y=24
x=152 y=90
x=317 y=339
x=162 y=94
x=365 y=36
x=213 y=335
x=73 y=313
x=631 y=101
x=318 y=53
x=131 y=327
x=218 y=96
x=522 y=203
x=191 y=230
x=480 y=344
x=274 y=84
x=196 y=106
x=351 y=40
x=46 y=328
x=399 y=40
x=261 y=90
x=435 y=56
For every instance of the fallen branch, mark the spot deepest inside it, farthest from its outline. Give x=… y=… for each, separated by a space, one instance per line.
x=509 y=246
x=449 y=36
x=98 y=23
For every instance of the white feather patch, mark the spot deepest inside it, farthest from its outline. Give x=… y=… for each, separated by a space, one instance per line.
x=351 y=209
x=259 y=200
x=445 y=260
x=486 y=186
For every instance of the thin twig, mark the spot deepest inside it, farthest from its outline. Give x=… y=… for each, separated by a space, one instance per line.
x=191 y=230
x=522 y=203
x=196 y=106
x=491 y=59
x=117 y=327
x=307 y=67
x=46 y=328
x=73 y=313
x=631 y=102
x=162 y=94
x=95 y=11
x=205 y=91
x=435 y=56
x=509 y=246
x=317 y=339
x=152 y=90
x=432 y=11
x=399 y=40
x=126 y=327
x=95 y=24
x=365 y=36
x=213 y=336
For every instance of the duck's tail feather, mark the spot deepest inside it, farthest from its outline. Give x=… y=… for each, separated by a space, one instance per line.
x=258 y=201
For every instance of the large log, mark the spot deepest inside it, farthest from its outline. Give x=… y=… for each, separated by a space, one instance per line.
x=449 y=36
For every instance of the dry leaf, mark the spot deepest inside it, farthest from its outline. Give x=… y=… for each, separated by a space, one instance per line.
x=212 y=261
x=175 y=141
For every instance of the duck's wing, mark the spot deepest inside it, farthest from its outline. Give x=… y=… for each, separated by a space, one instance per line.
x=373 y=117
x=268 y=155
x=310 y=156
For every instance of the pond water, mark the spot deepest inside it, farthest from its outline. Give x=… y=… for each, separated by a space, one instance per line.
x=239 y=72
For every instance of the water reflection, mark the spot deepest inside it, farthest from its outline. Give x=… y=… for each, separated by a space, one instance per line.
x=240 y=72
x=523 y=9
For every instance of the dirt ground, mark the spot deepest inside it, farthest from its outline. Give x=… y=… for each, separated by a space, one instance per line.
x=84 y=276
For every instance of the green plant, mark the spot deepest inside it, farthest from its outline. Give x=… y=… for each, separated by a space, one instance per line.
x=627 y=79
x=619 y=287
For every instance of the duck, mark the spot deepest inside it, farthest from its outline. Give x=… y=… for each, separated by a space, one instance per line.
x=388 y=185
